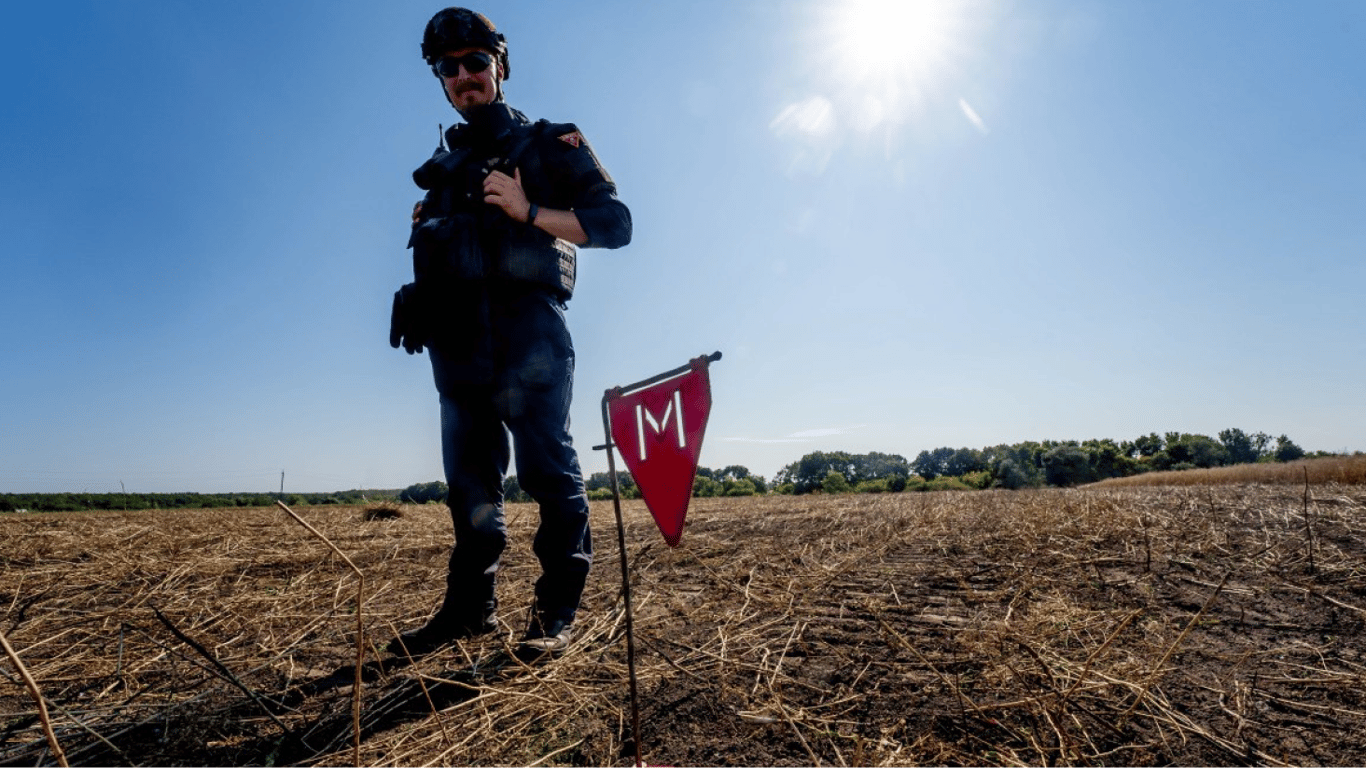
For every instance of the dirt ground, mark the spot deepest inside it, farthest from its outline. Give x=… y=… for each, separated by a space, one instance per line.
x=1138 y=626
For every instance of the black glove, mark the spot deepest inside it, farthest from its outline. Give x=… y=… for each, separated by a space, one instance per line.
x=405 y=320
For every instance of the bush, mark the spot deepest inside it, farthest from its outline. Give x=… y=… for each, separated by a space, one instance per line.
x=835 y=482
x=980 y=479
x=743 y=487
x=919 y=484
x=1009 y=475
x=946 y=484
x=512 y=490
x=874 y=486
x=1286 y=450
x=704 y=487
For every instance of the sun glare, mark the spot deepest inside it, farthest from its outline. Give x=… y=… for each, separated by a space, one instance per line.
x=895 y=51
x=873 y=67
x=895 y=35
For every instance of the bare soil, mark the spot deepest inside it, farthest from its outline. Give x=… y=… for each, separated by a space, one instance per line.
x=1136 y=626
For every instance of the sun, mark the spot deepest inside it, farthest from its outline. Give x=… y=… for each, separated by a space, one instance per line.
x=871 y=70
x=895 y=51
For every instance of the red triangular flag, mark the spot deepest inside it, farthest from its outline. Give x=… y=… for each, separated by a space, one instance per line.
x=658 y=431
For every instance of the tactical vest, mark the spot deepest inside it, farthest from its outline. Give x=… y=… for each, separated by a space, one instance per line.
x=459 y=238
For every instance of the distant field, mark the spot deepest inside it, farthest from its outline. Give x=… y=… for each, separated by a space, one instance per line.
x=1199 y=625
x=1345 y=470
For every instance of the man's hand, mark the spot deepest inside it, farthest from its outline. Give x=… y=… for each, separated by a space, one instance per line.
x=404 y=320
x=506 y=192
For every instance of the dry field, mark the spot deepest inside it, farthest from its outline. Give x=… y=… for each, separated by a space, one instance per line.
x=1215 y=625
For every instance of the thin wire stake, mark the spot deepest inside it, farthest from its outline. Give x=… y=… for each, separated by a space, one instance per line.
x=42 y=706
x=625 y=584
x=621 y=528
x=360 y=632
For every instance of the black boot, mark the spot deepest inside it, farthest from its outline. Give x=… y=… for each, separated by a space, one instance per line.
x=546 y=635
x=445 y=627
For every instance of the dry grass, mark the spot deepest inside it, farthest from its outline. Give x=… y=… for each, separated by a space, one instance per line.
x=1215 y=625
x=1345 y=470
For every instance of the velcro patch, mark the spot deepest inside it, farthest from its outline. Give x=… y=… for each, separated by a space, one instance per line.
x=573 y=139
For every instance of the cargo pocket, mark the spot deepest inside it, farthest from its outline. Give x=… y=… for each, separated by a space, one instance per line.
x=446 y=249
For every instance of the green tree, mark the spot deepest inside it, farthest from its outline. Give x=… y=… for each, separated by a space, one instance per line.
x=743 y=487
x=808 y=473
x=835 y=482
x=1015 y=466
x=875 y=466
x=1287 y=450
x=963 y=461
x=598 y=481
x=512 y=490
x=1108 y=459
x=705 y=487
x=424 y=493
x=1240 y=446
x=1008 y=474
x=1147 y=445
x=735 y=474
x=1067 y=465
x=932 y=464
x=1196 y=450
x=602 y=481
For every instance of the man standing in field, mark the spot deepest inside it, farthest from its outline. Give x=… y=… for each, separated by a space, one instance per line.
x=493 y=240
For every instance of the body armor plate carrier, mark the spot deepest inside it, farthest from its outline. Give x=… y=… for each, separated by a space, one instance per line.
x=459 y=237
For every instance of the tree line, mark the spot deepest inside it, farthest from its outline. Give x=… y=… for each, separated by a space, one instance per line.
x=734 y=480
x=77 y=502
x=1031 y=464
x=1022 y=465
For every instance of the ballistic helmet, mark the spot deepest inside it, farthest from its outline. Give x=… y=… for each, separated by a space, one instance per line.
x=454 y=28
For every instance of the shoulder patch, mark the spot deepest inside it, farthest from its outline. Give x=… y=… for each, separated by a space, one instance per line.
x=573 y=139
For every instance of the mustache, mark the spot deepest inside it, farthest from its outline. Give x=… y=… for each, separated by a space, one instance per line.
x=468 y=85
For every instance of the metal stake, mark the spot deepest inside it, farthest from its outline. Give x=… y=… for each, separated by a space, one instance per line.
x=621 y=532
x=625 y=585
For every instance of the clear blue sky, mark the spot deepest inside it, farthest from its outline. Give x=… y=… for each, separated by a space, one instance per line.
x=905 y=225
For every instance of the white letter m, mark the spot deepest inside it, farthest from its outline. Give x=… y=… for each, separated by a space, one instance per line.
x=674 y=409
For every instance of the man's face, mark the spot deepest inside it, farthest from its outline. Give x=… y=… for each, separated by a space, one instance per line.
x=469 y=89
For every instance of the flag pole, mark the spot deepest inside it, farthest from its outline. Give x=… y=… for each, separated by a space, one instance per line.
x=625 y=580
x=607 y=397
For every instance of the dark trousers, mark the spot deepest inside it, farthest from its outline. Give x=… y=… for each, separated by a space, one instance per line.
x=519 y=385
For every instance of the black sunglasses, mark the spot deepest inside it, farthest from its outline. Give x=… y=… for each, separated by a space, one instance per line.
x=474 y=63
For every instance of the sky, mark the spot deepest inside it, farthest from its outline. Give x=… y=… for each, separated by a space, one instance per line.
x=904 y=225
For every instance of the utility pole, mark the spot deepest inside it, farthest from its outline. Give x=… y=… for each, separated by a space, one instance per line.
x=282 y=483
